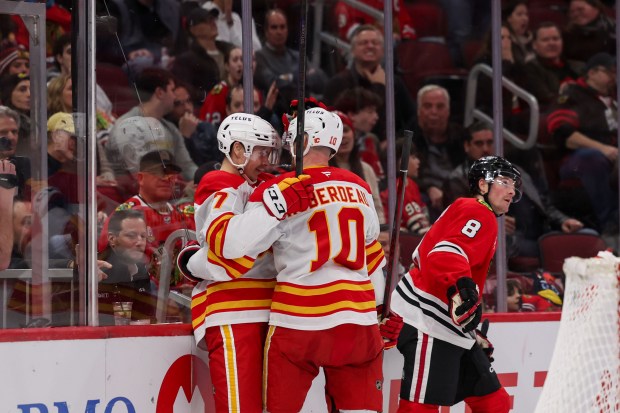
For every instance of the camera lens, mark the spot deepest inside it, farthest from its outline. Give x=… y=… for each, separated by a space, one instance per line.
x=5 y=144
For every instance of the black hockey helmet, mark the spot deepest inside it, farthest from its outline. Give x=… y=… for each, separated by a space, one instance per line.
x=489 y=168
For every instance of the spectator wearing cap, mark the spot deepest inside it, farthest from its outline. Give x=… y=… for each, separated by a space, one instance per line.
x=156 y=87
x=15 y=94
x=584 y=123
x=229 y=24
x=202 y=65
x=157 y=176
x=14 y=60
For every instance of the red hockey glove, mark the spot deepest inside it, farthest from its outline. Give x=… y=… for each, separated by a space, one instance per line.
x=289 y=196
x=390 y=328
x=483 y=341
x=183 y=258
x=464 y=304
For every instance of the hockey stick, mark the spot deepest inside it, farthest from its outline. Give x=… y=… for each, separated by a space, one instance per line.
x=392 y=265
x=301 y=104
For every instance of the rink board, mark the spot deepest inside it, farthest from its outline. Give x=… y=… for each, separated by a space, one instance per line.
x=159 y=369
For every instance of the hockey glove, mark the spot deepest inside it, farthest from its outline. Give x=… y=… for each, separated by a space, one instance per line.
x=183 y=258
x=483 y=341
x=288 y=197
x=390 y=328
x=464 y=304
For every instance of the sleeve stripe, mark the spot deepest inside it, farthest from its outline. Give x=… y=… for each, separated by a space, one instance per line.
x=216 y=231
x=374 y=256
x=445 y=246
x=234 y=268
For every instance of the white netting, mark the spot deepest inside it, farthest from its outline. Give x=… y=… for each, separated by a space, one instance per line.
x=584 y=375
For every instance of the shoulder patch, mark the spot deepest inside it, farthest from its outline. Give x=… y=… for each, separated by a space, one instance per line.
x=125 y=206
x=217 y=89
x=562 y=99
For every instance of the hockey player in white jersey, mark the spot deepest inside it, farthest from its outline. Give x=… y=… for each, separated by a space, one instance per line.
x=230 y=305
x=323 y=312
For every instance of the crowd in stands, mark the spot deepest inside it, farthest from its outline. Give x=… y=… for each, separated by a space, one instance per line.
x=180 y=64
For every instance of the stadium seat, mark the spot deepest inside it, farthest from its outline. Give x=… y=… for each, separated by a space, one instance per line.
x=114 y=81
x=428 y=19
x=540 y=14
x=556 y=247
x=408 y=243
x=419 y=59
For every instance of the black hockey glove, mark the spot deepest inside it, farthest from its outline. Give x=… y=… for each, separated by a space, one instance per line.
x=183 y=258
x=483 y=341
x=464 y=304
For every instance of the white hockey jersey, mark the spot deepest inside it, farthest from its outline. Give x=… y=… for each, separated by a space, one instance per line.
x=235 y=290
x=324 y=256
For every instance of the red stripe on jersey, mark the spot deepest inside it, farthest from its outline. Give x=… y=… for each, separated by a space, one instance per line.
x=420 y=378
x=374 y=256
x=216 y=234
x=562 y=116
x=322 y=300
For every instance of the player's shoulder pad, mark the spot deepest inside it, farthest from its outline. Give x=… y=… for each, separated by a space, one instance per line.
x=216 y=181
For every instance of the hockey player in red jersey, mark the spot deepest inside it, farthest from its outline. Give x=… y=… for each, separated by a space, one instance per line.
x=230 y=305
x=323 y=312
x=440 y=298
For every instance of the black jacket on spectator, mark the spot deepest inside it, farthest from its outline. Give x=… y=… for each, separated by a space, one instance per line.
x=543 y=79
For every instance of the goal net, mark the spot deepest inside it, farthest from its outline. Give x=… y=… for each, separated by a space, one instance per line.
x=584 y=375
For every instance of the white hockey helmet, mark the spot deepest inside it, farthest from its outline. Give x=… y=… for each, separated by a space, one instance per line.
x=323 y=128
x=133 y=137
x=249 y=130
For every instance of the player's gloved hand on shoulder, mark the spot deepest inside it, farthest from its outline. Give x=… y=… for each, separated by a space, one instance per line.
x=183 y=258
x=390 y=327
x=483 y=341
x=464 y=304
x=288 y=197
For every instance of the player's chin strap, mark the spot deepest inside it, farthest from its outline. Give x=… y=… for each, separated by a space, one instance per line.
x=241 y=170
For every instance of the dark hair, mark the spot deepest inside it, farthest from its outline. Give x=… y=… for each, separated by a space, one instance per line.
x=228 y=51
x=230 y=92
x=152 y=78
x=356 y=99
x=477 y=126
x=509 y=7
x=513 y=285
x=546 y=25
x=59 y=47
x=8 y=83
x=364 y=28
x=117 y=218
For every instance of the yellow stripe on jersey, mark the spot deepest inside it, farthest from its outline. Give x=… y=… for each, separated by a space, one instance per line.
x=374 y=256
x=272 y=329
x=234 y=268
x=324 y=309
x=231 y=367
x=216 y=231
x=244 y=305
x=213 y=288
x=305 y=291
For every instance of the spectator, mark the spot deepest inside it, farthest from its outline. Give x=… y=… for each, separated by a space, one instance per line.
x=439 y=142
x=415 y=218
x=515 y=15
x=547 y=72
x=278 y=63
x=367 y=72
x=156 y=179
x=202 y=66
x=143 y=128
x=350 y=18
x=145 y=29
x=15 y=94
x=127 y=278
x=584 y=123
x=590 y=30
x=14 y=60
x=10 y=146
x=62 y=66
x=361 y=106
x=229 y=24
x=525 y=221
x=213 y=109
x=347 y=158
x=514 y=292
x=8 y=182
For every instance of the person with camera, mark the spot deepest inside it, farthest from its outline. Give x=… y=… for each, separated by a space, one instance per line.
x=9 y=138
